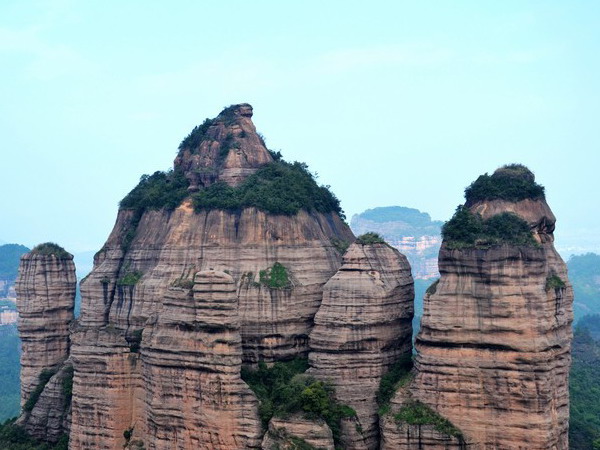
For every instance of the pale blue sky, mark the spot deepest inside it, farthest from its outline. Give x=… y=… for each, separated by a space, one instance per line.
x=392 y=103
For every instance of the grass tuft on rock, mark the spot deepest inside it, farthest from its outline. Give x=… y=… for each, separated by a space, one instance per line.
x=370 y=238
x=417 y=413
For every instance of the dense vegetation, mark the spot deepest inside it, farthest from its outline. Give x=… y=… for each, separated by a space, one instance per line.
x=397 y=376
x=9 y=372
x=279 y=188
x=196 y=136
x=275 y=277
x=396 y=222
x=14 y=437
x=584 y=273
x=50 y=248
x=468 y=230
x=43 y=379
x=284 y=389
x=584 y=388
x=370 y=238
x=417 y=413
x=10 y=255
x=157 y=191
x=513 y=182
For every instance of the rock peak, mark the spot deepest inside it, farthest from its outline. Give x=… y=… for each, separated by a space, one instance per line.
x=226 y=148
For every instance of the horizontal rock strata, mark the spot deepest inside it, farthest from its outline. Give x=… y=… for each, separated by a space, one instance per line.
x=364 y=325
x=290 y=433
x=192 y=358
x=45 y=301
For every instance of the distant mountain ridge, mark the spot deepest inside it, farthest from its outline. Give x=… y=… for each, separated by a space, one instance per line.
x=584 y=273
x=409 y=230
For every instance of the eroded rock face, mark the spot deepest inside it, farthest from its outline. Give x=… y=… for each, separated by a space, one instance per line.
x=229 y=151
x=285 y=434
x=46 y=301
x=364 y=325
x=192 y=358
x=148 y=255
x=494 y=345
x=49 y=419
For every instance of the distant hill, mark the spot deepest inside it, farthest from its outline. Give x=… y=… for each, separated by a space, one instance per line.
x=10 y=255
x=407 y=229
x=584 y=273
x=584 y=432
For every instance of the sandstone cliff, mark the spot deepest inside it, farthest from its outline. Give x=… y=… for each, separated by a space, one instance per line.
x=153 y=251
x=45 y=300
x=363 y=327
x=493 y=352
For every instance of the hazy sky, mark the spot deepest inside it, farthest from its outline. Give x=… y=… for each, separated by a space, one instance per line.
x=392 y=103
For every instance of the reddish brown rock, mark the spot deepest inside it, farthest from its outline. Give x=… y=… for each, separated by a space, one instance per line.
x=493 y=352
x=192 y=358
x=364 y=325
x=148 y=254
x=45 y=301
x=289 y=433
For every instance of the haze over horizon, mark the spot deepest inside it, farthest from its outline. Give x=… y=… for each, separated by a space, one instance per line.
x=392 y=103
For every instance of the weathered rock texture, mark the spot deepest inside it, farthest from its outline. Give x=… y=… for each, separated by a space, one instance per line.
x=146 y=256
x=192 y=355
x=287 y=434
x=494 y=345
x=45 y=301
x=49 y=420
x=364 y=325
x=403 y=436
x=229 y=151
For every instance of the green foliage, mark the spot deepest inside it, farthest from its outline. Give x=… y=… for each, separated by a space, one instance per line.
x=278 y=188
x=43 y=379
x=283 y=390
x=10 y=255
x=340 y=245
x=513 y=182
x=554 y=282
x=584 y=389
x=130 y=278
x=50 y=248
x=157 y=191
x=432 y=287
x=135 y=341
x=13 y=437
x=10 y=366
x=392 y=380
x=370 y=238
x=468 y=230
x=417 y=413
x=275 y=277
x=198 y=134
x=67 y=384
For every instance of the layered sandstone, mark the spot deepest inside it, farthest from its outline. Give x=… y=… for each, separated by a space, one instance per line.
x=49 y=418
x=363 y=327
x=493 y=352
x=192 y=355
x=292 y=432
x=153 y=251
x=45 y=301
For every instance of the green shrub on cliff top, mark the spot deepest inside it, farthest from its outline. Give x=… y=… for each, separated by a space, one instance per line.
x=278 y=188
x=370 y=238
x=157 y=191
x=513 y=182
x=468 y=230
x=50 y=248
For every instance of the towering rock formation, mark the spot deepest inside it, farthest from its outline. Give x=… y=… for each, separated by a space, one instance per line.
x=363 y=327
x=278 y=261
x=194 y=395
x=493 y=352
x=46 y=301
